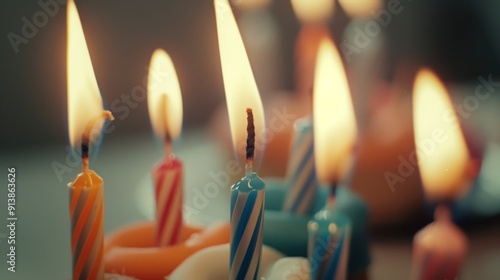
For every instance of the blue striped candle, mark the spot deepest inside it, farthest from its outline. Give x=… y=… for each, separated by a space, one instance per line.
x=328 y=248
x=247 y=215
x=301 y=171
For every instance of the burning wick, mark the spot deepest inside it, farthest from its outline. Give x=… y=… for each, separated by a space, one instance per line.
x=250 y=142
x=86 y=139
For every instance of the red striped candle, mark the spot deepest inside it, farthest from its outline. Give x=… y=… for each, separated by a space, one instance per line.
x=168 y=184
x=165 y=112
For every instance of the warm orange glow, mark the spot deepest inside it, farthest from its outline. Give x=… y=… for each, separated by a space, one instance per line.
x=334 y=121
x=360 y=8
x=164 y=96
x=442 y=153
x=313 y=10
x=85 y=108
x=239 y=83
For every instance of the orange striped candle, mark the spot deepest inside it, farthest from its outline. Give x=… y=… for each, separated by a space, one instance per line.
x=85 y=121
x=87 y=224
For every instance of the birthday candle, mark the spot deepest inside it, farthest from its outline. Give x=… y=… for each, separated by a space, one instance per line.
x=168 y=178
x=247 y=195
x=439 y=249
x=165 y=112
x=446 y=171
x=330 y=230
x=328 y=248
x=247 y=214
x=85 y=121
x=301 y=171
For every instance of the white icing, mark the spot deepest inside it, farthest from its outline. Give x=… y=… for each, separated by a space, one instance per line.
x=295 y=268
x=213 y=264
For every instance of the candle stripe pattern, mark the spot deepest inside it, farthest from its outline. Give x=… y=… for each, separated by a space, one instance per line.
x=328 y=249
x=167 y=177
x=301 y=171
x=436 y=266
x=87 y=231
x=247 y=214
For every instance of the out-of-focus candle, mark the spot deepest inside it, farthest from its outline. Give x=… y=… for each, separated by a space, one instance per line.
x=334 y=116
x=85 y=119
x=301 y=171
x=330 y=230
x=165 y=112
x=248 y=194
x=445 y=166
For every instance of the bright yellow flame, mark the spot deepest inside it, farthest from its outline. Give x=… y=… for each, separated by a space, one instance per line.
x=164 y=96
x=442 y=153
x=313 y=10
x=360 y=8
x=239 y=83
x=85 y=108
x=334 y=121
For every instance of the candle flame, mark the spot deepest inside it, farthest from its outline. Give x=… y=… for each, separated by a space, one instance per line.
x=85 y=109
x=443 y=157
x=313 y=10
x=164 y=96
x=239 y=83
x=334 y=121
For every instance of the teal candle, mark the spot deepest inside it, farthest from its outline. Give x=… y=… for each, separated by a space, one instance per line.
x=278 y=223
x=329 y=239
x=247 y=215
x=301 y=178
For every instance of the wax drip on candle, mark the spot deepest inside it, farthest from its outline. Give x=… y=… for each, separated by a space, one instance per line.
x=250 y=142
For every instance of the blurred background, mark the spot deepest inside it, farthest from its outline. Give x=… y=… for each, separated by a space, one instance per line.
x=383 y=44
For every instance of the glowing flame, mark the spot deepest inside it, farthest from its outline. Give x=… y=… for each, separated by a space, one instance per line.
x=239 y=83
x=85 y=108
x=313 y=10
x=360 y=8
x=443 y=157
x=334 y=121
x=164 y=96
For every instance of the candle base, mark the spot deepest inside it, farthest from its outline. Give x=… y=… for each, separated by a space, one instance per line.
x=439 y=249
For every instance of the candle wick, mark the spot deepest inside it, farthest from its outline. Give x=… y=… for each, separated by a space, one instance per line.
x=331 y=198
x=250 y=150
x=168 y=147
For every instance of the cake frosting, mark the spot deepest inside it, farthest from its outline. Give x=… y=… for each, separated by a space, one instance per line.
x=213 y=264
x=133 y=249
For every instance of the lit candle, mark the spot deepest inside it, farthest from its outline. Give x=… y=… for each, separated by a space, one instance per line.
x=312 y=14
x=301 y=171
x=248 y=194
x=165 y=112
x=85 y=119
x=330 y=230
x=445 y=167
